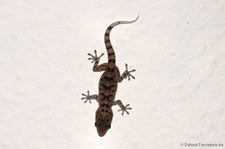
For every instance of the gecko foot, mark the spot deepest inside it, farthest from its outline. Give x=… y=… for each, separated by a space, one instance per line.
x=128 y=73
x=95 y=58
x=87 y=97
x=125 y=108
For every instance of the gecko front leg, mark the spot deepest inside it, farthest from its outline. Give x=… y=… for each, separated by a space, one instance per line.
x=88 y=97
x=95 y=58
x=122 y=107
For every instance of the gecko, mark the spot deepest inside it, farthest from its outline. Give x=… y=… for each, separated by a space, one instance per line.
x=108 y=84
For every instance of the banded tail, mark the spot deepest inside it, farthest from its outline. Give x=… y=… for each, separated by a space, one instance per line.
x=109 y=48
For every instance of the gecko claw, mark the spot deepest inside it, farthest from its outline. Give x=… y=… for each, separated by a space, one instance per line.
x=94 y=58
x=125 y=108
x=87 y=97
x=127 y=73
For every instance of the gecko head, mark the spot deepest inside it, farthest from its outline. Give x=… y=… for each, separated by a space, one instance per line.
x=103 y=121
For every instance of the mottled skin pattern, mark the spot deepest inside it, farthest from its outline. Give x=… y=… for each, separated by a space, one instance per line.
x=108 y=84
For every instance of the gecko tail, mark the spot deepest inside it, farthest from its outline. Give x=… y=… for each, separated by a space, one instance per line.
x=124 y=22
x=109 y=48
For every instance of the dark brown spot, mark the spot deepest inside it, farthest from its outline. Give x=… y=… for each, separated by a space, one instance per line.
x=106 y=34
x=111 y=61
x=110 y=54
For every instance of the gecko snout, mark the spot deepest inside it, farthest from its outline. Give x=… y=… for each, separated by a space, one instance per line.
x=102 y=126
x=103 y=122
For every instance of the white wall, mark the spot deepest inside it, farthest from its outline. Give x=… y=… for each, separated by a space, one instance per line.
x=177 y=47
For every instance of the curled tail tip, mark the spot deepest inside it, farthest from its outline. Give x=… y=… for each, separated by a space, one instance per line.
x=128 y=22
x=136 y=18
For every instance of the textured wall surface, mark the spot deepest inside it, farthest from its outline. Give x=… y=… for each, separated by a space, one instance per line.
x=176 y=46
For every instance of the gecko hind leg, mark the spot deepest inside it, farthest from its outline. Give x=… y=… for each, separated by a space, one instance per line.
x=95 y=58
x=122 y=107
x=88 y=97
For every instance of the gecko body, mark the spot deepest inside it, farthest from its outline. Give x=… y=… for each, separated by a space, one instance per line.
x=108 y=84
